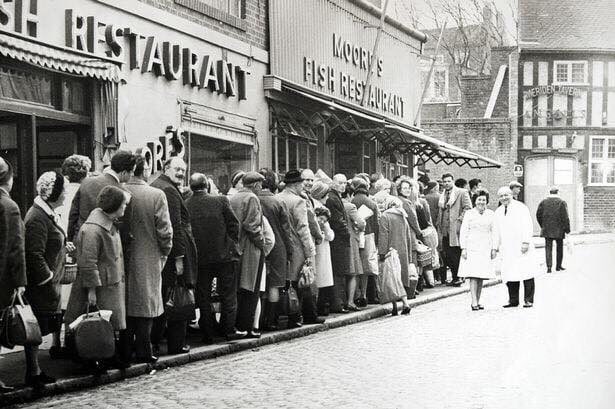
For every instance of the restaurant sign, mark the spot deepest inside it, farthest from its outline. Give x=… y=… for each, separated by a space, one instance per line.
x=141 y=51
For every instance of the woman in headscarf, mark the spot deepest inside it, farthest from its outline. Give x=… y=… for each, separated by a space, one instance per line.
x=323 y=268
x=45 y=257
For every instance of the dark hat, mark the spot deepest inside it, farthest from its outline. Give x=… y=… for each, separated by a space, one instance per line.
x=554 y=189
x=110 y=198
x=292 y=176
x=424 y=179
x=431 y=185
x=252 y=177
x=359 y=182
x=514 y=183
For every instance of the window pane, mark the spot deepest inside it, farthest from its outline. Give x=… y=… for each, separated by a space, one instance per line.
x=439 y=82
x=596 y=173
x=31 y=86
x=578 y=72
x=282 y=155
x=303 y=155
x=313 y=158
x=562 y=72
x=610 y=175
x=292 y=154
x=597 y=148
x=611 y=151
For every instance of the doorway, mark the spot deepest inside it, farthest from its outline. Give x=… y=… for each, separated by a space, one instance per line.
x=542 y=172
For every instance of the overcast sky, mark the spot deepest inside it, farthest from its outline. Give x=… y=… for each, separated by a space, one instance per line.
x=401 y=10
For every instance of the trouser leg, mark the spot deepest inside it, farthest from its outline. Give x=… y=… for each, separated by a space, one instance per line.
x=528 y=290
x=338 y=292
x=227 y=289
x=139 y=331
x=549 y=251
x=372 y=289
x=559 y=252
x=246 y=306
x=176 y=335
x=308 y=308
x=513 y=292
x=203 y=299
x=324 y=300
x=454 y=254
x=158 y=328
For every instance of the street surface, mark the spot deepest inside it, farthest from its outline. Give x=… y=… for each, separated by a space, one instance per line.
x=559 y=354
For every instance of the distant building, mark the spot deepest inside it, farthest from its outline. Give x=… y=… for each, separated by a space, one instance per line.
x=566 y=106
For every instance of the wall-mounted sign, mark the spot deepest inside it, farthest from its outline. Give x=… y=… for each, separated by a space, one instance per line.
x=552 y=89
x=557 y=114
x=518 y=171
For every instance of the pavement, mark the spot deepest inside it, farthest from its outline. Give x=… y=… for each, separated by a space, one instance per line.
x=73 y=378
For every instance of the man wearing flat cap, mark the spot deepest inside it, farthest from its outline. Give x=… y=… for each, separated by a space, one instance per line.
x=303 y=248
x=552 y=216
x=249 y=213
x=515 y=187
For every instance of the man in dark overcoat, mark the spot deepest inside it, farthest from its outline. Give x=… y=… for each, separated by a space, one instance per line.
x=216 y=233
x=340 y=246
x=12 y=252
x=120 y=171
x=552 y=216
x=180 y=266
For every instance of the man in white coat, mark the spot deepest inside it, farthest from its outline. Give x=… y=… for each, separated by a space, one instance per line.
x=515 y=245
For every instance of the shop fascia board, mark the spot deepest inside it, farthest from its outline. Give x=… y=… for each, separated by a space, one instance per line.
x=187 y=27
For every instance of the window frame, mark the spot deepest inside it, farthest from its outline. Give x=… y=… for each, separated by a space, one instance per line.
x=603 y=159
x=568 y=64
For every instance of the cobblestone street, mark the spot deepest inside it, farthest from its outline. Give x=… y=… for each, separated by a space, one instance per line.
x=558 y=354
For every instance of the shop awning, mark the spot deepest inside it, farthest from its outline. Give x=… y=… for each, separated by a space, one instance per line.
x=57 y=59
x=392 y=137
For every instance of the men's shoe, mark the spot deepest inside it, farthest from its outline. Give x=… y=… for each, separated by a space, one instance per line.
x=147 y=359
x=361 y=302
x=316 y=320
x=156 y=349
x=509 y=305
x=236 y=335
x=294 y=324
x=405 y=311
x=548 y=269
x=528 y=305
x=456 y=283
x=183 y=350
x=40 y=380
x=560 y=269
x=254 y=334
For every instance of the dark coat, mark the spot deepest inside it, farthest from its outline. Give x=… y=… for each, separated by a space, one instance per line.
x=45 y=257
x=340 y=246
x=12 y=252
x=215 y=228
x=315 y=231
x=432 y=199
x=552 y=216
x=183 y=241
x=277 y=215
x=85 y=201
x=361 y=199
x=101 y=265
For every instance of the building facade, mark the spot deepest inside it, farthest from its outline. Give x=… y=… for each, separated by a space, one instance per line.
x=566 y=103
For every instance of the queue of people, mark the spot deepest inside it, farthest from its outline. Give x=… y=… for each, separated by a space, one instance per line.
x=135 y=241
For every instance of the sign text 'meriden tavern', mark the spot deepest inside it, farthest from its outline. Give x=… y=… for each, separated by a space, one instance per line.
x=162 y=58
x=350 y=87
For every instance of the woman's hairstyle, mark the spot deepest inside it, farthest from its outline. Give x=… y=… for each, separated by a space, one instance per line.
x=349 y=191
x=382 y=184
x=322 y=211
x=236 y=177
x=50 y=186
x=393 y=201
x=319 y=189
x=110 y=199
x=270 y=179
x=482 y=192
x=76 y=168
x=400 y=181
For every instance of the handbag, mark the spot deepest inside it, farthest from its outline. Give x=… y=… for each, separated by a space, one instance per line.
x=70 y=274
x=423 y=254
x=179 y=304
x=289 y=301
x=390 y=286
x=19 y=324
x=306 y=276
x=94 y=337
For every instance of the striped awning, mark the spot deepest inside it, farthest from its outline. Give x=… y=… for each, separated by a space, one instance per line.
x=45 y=56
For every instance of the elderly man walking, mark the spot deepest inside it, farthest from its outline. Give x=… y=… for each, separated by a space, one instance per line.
x=180 y=266
x=249 y=213
x=515 y=228
x=149 y=223
x=453 y=204
x=340 y=246
x=216 y=233
x=552 y=216
x=302 y=249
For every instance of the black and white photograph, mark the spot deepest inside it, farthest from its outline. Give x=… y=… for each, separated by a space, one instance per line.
x=307 y=204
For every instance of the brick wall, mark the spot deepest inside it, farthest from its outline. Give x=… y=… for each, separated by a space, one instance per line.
x=598 y=208
x=487 y=137
x=252 y=28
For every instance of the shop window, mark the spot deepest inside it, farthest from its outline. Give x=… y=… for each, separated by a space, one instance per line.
x=570 y=72
x=219 y=159
x=602 y=160
x=292 y=153
x=26 y=85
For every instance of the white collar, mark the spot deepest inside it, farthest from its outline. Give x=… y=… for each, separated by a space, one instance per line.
x=46 y=208
x=111 y=172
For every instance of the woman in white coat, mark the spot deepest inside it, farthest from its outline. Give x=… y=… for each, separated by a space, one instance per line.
x=515 y=229
x=479 y=242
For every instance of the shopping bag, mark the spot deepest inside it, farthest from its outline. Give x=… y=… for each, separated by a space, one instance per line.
x=94 y=337
x=428 y=276
x=390 y=286
x=424 y=254
x=179 y=304
x=19 y=325
x=289 y=301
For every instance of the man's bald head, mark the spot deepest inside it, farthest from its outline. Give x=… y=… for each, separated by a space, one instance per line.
x=198 y=182
x=340 y=182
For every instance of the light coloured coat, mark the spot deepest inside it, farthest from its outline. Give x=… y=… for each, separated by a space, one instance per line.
x=514 y=228
x=394 y=233
x=151 y=239
x=458 y=203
